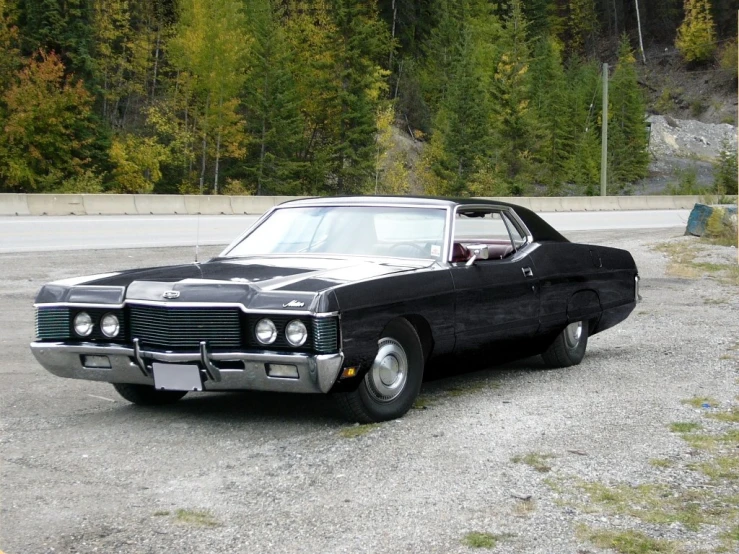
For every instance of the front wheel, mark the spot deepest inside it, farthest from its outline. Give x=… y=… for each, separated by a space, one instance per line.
x=568 y=348
x=146 y=395
x=390 y=387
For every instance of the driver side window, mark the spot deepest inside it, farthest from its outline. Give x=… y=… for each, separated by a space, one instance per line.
x=484 y=226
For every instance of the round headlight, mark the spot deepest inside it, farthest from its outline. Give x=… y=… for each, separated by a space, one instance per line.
x=83 y=324
x=296 y=333
x=266 y=331
x=110 y=326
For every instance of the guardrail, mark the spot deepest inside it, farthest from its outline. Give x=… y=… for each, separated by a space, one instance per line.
x=173 y=204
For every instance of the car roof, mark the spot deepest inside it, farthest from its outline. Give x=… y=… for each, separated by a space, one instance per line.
x=425 y=201
x=540 y=229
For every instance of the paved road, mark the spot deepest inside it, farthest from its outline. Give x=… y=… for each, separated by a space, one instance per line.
x=41 y=234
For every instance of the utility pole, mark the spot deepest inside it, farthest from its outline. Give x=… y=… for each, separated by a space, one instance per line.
x=604 y=135
x=638 y=24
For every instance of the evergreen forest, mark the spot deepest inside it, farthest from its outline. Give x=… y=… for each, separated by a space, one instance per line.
x=308 y=97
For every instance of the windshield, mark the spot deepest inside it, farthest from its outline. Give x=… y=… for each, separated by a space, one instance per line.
x=359 y=231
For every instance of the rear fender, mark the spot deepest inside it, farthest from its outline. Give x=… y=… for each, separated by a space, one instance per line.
x=584 y=305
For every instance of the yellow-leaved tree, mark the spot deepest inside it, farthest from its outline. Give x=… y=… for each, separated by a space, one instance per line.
x=696 y=37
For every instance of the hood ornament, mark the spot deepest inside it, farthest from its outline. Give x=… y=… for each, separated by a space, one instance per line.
x=171 y=294
x=294 y=304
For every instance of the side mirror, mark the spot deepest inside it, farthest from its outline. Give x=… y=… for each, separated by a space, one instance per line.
x=479 y=252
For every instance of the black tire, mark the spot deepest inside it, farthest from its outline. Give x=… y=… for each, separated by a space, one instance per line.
x=146 y=395
x=566 y=350
x=377 y=400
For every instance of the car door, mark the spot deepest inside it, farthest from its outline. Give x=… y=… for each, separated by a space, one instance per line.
x=497 y=298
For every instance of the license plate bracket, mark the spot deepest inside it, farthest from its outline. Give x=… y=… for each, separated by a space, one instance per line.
x=177 y=377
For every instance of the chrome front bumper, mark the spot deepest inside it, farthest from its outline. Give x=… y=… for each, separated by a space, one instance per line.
x=316 y=373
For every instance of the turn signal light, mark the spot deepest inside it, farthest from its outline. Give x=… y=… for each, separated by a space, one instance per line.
x=349 y=372
x=283 y=371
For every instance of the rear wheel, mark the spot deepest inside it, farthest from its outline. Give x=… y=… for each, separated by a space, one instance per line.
x=146 y=395
x=390 y=387
x=568 y=348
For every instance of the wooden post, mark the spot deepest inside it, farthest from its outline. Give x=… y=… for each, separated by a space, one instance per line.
x=604 y=135
x=638 y=24
x=737 y=196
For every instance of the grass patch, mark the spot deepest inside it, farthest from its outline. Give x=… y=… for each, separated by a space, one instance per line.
x=357 y=430
x=715 y=301
x=682 y=264
x=534 y=460
x=698 y=401
x=160 y=513
x=421 y=403
x=684 y=427
x=732 y=416
x=630 y=542
x=721 y=468
x=196 y=518
x=661 y=462
x=660 y=504
x=732 y=534
x=484 y=540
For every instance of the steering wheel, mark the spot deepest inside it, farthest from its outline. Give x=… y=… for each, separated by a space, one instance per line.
x=420 y=250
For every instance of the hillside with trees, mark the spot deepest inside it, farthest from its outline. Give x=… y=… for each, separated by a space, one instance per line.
x=310 y=97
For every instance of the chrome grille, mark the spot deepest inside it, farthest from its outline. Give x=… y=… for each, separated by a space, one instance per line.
x=325 y=334
x=184 y=328
x=52 y=323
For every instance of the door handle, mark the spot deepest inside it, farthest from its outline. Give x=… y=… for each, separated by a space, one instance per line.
x=527 y=272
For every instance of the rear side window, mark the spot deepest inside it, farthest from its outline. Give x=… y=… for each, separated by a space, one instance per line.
x=484 y=226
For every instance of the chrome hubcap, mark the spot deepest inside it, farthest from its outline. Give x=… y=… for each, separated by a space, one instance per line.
x=573 y=333
x=386 y=379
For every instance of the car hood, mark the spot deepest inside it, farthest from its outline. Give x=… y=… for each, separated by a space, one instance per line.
x=274 y=282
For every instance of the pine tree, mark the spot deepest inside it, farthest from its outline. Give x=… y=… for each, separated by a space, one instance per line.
x=362 y=43
x=582 y=25
x=627 y=135
x=461 y=144
x=551 y=104
x=273 y=115
x=514 y=123
x=696 y=36
x=59 y=26
x=583 y=162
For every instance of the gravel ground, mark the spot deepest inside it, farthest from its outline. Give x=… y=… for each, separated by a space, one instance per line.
x=83 y=471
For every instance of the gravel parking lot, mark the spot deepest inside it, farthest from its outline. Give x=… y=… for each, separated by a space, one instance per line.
x=516 y=458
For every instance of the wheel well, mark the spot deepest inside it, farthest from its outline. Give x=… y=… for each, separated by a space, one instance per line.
x=423 y=329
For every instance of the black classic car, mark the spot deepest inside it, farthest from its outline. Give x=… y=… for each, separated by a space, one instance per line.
x=349 y=296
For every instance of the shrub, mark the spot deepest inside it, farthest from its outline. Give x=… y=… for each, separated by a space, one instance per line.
x=727 y=59
x=725 y=170
x=696 y=36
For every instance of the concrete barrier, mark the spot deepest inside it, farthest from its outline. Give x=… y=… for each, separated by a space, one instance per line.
x=160 y=204
x=13 y=204
x=208 y=205
x=55 y=204
x=109 y=204
x=171 y=204
x=252 y=205
x=546 y=204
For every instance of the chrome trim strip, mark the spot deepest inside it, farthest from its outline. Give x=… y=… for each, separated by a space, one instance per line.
x=156 y=303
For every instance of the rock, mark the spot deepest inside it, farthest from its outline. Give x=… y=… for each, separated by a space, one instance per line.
x=701 y=213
